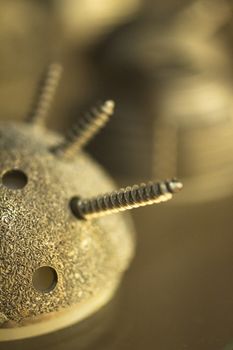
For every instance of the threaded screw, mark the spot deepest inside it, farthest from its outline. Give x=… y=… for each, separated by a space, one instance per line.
x=46 y=93
x=85 y=129
x=124 y=199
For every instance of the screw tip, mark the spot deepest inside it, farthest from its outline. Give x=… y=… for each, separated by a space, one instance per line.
x=175 y=185
x=109 y=106
x=56 y=66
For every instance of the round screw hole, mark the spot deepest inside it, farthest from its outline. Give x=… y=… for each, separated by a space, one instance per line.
x=14 y=179
x=45 y=279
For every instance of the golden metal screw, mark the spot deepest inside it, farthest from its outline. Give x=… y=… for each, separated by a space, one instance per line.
x=46 y=93
x=124 y=199
x=85 y=129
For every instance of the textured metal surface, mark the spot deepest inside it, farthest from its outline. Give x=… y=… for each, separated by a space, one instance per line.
x=38 y=229
x=177 y=294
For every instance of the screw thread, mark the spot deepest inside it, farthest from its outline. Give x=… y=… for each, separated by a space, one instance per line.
x=124 y=199
x=46 y=92
x=85 y=129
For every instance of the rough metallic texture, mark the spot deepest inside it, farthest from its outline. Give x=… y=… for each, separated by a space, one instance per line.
x=37 y=228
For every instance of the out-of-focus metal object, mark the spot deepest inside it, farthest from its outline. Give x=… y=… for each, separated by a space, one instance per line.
x=84 y=22
x=55 y=267
x=33 y=33
x=180 y=118
x=45 y=95
x=195 y=103
x=24 y=53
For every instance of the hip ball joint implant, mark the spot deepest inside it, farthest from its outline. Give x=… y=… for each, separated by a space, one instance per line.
x=60 y=263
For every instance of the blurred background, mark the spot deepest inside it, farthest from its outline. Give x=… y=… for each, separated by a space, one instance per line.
x=168 y=65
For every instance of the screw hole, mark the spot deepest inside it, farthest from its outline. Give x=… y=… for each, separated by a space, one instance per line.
x=45 y=279
x=14 y=179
